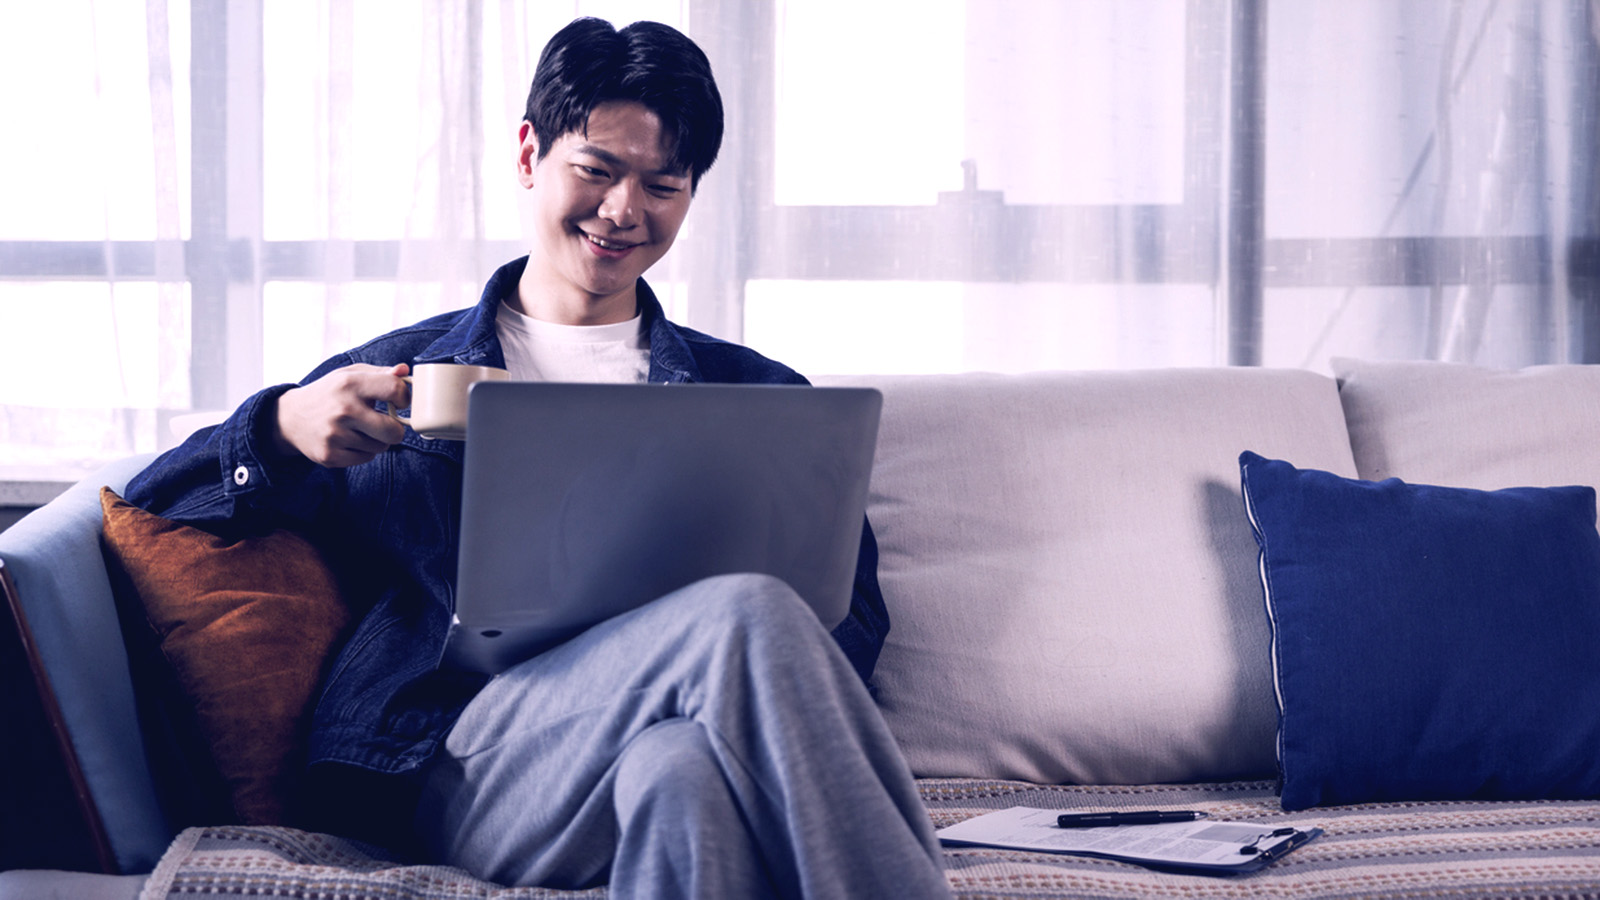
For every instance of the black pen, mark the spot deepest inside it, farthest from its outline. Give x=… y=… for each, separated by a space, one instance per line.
x=1107 y=819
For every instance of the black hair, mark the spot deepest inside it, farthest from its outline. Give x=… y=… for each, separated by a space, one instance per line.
x=590 y=62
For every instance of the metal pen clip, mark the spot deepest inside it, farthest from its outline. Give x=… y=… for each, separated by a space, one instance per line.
x=1254 y=846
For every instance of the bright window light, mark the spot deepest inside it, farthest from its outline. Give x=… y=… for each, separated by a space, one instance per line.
x=856 y=327
x=82 y=167
x=869 y=101
x=119 y=333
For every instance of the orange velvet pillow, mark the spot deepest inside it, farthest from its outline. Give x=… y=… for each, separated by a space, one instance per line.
x=247 y=627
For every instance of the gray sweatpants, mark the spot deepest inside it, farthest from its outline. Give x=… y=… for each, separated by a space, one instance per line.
x=714 y=743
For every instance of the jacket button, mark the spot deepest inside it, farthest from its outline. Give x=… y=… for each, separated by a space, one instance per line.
x=241 y=476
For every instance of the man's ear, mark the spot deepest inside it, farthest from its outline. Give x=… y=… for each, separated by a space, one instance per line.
x=527 y=153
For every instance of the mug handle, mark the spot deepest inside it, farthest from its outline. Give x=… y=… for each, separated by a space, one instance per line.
x=394 y=411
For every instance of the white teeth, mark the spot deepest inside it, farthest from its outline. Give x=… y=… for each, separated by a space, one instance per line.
x=609 y=245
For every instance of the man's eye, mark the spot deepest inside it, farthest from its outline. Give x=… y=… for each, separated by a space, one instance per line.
x=666 y=190
x=591 y=171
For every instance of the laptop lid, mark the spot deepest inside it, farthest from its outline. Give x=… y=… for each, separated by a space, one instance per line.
x=583 y=501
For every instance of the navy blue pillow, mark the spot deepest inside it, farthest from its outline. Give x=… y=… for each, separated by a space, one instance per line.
x=1429 y=643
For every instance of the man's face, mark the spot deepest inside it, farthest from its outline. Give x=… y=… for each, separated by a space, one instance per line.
x=605 y=208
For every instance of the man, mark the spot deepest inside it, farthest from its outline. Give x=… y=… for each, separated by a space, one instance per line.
x=714 y=743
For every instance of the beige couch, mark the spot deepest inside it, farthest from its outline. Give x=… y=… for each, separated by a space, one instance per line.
x=1078 y=622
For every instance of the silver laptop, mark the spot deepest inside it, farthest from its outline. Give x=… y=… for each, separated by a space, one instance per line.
x=583 y=501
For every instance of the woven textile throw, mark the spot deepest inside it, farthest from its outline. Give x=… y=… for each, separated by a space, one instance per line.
x=1456 y=849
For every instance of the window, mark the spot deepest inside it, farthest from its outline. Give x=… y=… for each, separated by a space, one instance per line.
x=213 y=196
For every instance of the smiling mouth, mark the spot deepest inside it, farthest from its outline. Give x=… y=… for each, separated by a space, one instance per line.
x=604 y=244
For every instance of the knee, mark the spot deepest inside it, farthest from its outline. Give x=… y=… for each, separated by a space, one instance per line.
x=737 y=618
x=754 y=610
x=670 y=765
x=758 y=600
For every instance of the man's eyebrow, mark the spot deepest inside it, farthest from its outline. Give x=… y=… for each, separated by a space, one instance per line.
x=615 y=161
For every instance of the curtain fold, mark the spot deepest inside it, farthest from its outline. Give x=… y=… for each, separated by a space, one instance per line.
x=1425 y=169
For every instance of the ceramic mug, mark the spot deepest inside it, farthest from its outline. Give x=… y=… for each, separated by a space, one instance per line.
x=439 y=398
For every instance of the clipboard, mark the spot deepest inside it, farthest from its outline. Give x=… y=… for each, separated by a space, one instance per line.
x=1201 y=847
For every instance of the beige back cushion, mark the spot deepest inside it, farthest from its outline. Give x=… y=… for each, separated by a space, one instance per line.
x=1468 y=426
x=1070 y=576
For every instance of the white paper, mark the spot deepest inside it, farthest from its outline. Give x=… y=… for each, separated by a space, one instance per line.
x=1201 y=842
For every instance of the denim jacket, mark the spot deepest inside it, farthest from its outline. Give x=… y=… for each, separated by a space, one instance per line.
x=388 y=528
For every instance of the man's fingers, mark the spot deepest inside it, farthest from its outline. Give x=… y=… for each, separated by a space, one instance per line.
x=370 y=384
x=387 y=384
x=369 y=425
x=332 y=421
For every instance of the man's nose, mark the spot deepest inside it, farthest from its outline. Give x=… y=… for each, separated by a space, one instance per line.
x=620 y=205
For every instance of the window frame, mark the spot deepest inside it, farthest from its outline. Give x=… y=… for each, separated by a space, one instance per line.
x=227 y=260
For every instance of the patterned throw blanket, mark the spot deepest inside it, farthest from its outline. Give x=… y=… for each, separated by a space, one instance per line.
x=1544 y=850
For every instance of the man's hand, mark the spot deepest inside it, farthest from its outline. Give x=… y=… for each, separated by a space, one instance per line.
x=332 y=422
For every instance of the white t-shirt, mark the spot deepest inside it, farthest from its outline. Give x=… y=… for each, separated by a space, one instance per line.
x=544 y=351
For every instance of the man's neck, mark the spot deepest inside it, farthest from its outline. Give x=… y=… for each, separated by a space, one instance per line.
x=566 y=307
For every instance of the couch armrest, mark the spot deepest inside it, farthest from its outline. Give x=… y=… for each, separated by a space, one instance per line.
x=67 y=622
x=42 y=825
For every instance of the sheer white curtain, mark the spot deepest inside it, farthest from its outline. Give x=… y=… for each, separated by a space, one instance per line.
x=1430 y=181
x=204 y=197
x=1191 y=183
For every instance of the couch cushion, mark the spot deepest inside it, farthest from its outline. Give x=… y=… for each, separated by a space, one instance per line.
x=1429 y=643
x=1069 y=572
x=1469 y=426
x=246 y=626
